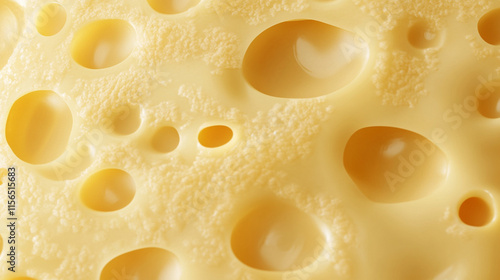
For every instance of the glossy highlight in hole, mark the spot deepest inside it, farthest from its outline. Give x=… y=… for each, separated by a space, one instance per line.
x=304 y=59
x=392 y=165
x=277 y=237
x=108 y=190
x=143 y=264
x=103 y=43
x=39 y=126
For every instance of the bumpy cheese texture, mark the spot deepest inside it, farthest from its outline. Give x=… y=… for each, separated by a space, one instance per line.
x=251 y=139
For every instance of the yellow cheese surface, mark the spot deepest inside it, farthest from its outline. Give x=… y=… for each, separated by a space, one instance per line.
x=249 y=139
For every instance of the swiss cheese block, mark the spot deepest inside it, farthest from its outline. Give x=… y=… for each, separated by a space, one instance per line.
x=249 y=139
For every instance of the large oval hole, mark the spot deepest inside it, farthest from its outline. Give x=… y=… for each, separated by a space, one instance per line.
x=103 y=43
x=38 y=127
x=277 y=237
x=301 y=59
x=390 y=164
x=143 y=264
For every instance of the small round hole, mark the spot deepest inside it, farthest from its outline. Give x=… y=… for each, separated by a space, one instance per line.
x=421 y=36
x=215 y=136
x=127 y=120
x=108 y=190
x=476 y=212
x=489 y=27
x=51 y=19
x=165 y=139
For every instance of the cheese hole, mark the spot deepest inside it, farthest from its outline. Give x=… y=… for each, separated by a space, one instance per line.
x=127 y=120
x=277 y=237
x=422 y=36
x=165 y=139
x=103 y=43
x=38 y=127
x=50 y=19
x=489 y=103
x=391 y=165
x=172 y=6
x=108 y=190
x=476 y=212
x=143 y=264
x=303 y=59
x=215 y=136
x=9 y=32
x=489 y=27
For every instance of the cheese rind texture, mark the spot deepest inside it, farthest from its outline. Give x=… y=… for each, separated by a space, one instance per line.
x=217 y=139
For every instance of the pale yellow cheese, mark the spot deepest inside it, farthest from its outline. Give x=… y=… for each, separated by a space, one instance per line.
x=250 y=139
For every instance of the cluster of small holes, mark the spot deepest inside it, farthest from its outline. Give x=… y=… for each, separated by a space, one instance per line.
x=143 y=264
x=172 y=6
x=378 y=159
x=50 y=19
